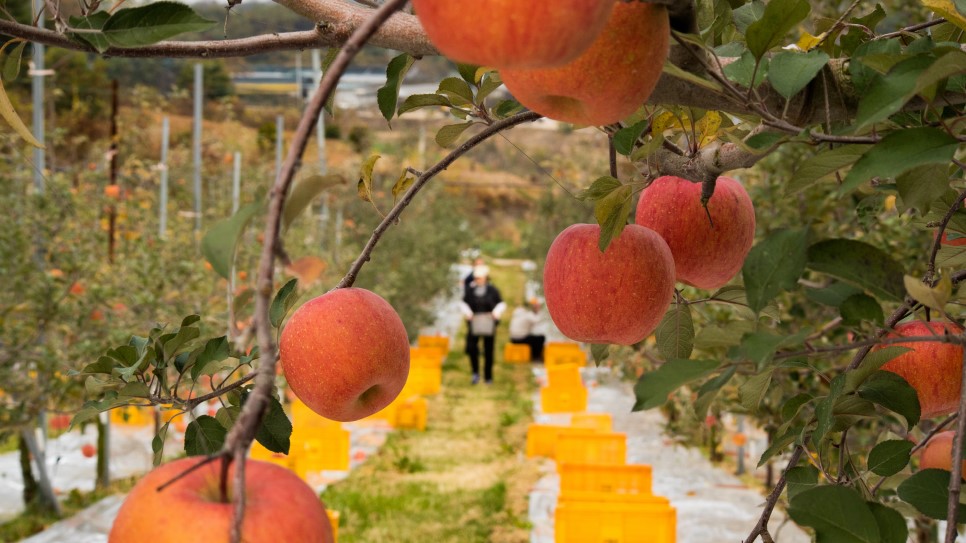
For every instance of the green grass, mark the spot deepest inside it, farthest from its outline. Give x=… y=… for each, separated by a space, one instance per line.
x=31 y=521
x=463 y=480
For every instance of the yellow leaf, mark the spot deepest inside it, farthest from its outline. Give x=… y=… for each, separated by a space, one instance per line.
x=807 y=42
x=946 y=9
x=933 y=297
x=9 y=115
x=402 y=185
x=307 y=269
x=365 y=178
x=666 y=121
x=707 y=128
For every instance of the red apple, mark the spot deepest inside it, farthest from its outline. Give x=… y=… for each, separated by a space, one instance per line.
x=88 y=450
x=279 y=507
x=618 y=296
x=934 y=369
x=707 y=253
x=938 y=452
x=608 y=81
x=952 y=242
x=345 y=354
x=512 y=34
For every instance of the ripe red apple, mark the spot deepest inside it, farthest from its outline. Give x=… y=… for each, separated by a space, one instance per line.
x=707 y=253
x=934 y=369
x=618 y=296
x=88 y=450
x=512 y=34
x=279 y=507
x=345 y=354
x=938 y=452
x=608 y=81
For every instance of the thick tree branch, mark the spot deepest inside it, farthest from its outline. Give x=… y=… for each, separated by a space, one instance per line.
x=761 y=529
x=955 y=479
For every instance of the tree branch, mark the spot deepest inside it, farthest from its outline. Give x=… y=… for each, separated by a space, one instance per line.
x=761 y=529
x=955 y=479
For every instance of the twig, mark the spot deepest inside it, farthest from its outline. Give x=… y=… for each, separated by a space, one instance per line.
x=931 y=268
x=955 y=479
x=762 y=527
x=612 y=156
x=243 y=432
x=394 y=213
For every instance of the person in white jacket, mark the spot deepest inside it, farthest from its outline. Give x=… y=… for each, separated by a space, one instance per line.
x=525 y=327
x=482 y=307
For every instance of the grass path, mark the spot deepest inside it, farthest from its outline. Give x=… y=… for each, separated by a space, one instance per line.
x=464 y=480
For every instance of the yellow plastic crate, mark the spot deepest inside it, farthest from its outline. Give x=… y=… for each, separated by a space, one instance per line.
x=601 y=422
x=425 y=361
x=554 y=399
x=334 y=522
x=328 y=452
x=438 y=342
x=425 y=380
x=133 y=416
x=434 y=353
x=411 y=413
x=303 y=417
x=592 y=448
x=566 y=356
x=564 y=375
x=259 y=452
x=542 y=438
x=651 y=521
x=516 y=353
x=604 y=482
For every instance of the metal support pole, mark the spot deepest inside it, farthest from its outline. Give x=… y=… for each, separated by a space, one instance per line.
x=37 y=91
x=163 y=218
x=279 y=143
x=196 y=142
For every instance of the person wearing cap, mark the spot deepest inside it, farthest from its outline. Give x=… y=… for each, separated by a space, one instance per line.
x=525 y=323
x=482 y=307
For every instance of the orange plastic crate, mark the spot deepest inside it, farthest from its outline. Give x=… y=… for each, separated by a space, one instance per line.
x=411 y=413
x=651 y=521
x=334 y=522
x=604 y=482
x=592 y=448
x=516 y=353
x=425 y=380
x=564 y=375
x=558 y=399
x=542 y=438
x=330 y=451
x=598 y=421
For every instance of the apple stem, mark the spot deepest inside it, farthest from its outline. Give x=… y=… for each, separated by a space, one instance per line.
x=223 y=480
x=707 y=191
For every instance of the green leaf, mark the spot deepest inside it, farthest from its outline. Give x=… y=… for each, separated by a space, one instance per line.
x=899 y=152
x=218 y=245
x=506 y=108
x=226 y=416
x=275 y=431
x=457 y=90
x=860 y=264
x=11 y=62
x=104 y=365
x=890 y=457
x=626 y=137
x=215 y=350
x=871 y=364
x=887 y=94
x=742 y=70
x=760 y=347
x=790 y=72
x=416 y=101
x=923 y=185
x=388 y=95
x=928 y=491
x=753 y=390
x=779 y=443
x=837 y=514
x=402 y=185
x=283 y=302
x=725 y=335
x=488 y=84
x=824 y=409
x=833 y=295
x=611 y=212
x=779 y=18
x=675 y=333
x=653 y=387
x=600 y=352
x=449 y=134
x=860 y=308
x=813 y=169
x=892 y=525
x=774 y=264
x=709 y=390
x=469 y=72
x=799 y=479
x=157 y=443
x=364 y=186
x=303 y=192
x=186 y=332
x=145 y=25
x=94 y=21
x=793 y=405
x=892 y=392
x=735 y=295
x=204 y=436
x=864 y=72
x=676 y=72
x=935 y=297
x=600 y=188
x=747 y=14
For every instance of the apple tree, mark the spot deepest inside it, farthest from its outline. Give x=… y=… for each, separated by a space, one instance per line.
x=846 y=121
